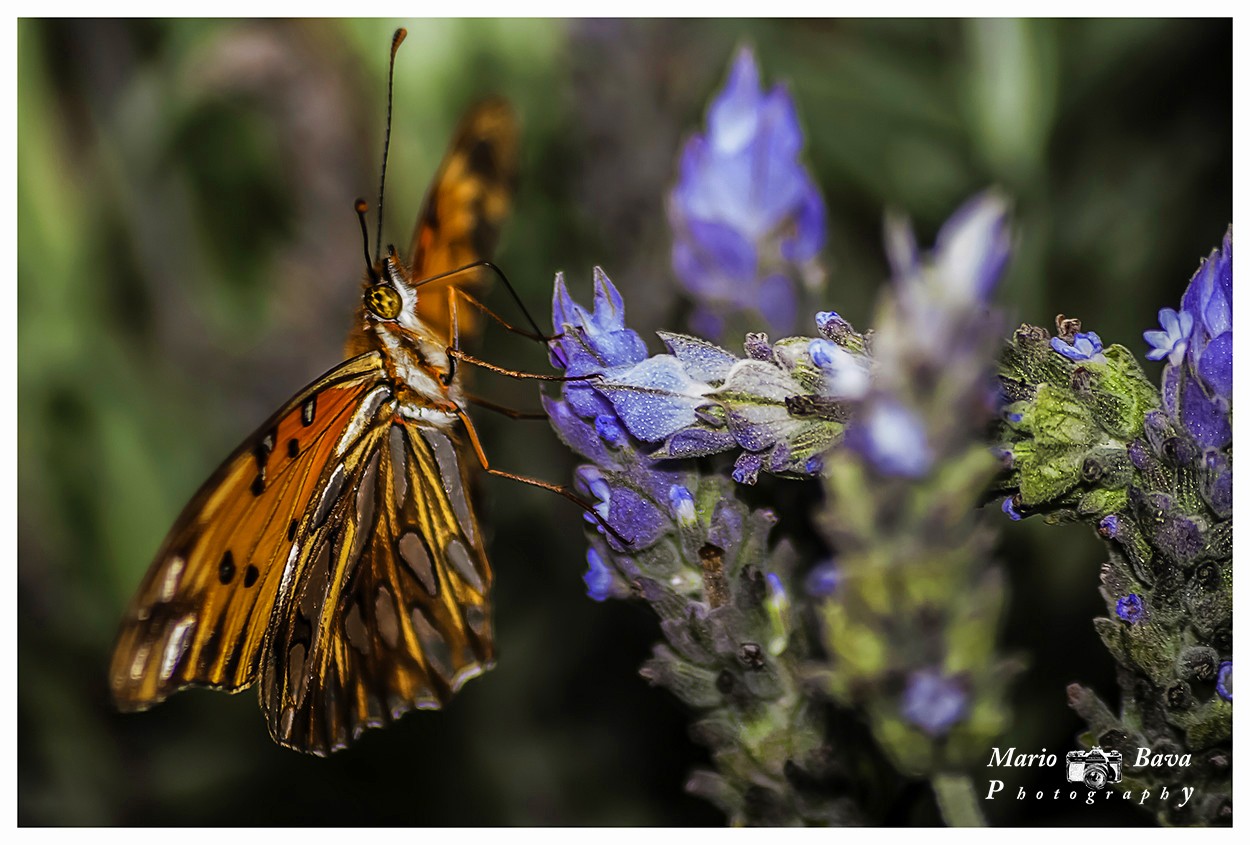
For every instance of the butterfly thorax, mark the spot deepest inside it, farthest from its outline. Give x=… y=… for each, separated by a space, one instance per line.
x=414 y=355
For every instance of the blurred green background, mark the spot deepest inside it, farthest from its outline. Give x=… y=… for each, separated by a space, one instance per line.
x=188 y=258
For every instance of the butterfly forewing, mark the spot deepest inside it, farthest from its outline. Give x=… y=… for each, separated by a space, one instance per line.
x=465 y=208
x=391 y=613
x=201 y=613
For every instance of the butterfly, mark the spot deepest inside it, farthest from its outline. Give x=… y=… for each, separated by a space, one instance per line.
x=335 y=559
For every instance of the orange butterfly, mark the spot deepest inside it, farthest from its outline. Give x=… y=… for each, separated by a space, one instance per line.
x=335 y=557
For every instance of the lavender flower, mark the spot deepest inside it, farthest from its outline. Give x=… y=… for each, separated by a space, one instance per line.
x=1198 y=378
x=698 y=556
x=1151 y=470
x=893 y=440
x=822 y=580
x=628 y=492
x=1172 y=341
x=1224 y=680
x=916 y=586
x=780 y=405
x=933 y=702
x=1130 y=608
x=598 y=577
x=1009 y=507
x=1085 y=346
x=941 y=294
x=747 y=218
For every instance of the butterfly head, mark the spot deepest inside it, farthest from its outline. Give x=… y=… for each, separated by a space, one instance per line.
x=387 y=295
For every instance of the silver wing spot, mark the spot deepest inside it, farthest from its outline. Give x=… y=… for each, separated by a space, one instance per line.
x=399 y=464
x=176 y=646
x=172 y=576
x=433 y=647
x=476 y=618
x=453 y=482
x=357 y=633
x=384 y=612
x=315 y=582
x=366 y=505
x=463 y=563
x=295 y=672
x=412 y=550
x=140 y=661
x=331 y=495
x=363 y=418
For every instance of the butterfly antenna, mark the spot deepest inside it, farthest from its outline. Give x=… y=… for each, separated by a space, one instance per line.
x=361 y=208
x=396 y=40
x=494 y=269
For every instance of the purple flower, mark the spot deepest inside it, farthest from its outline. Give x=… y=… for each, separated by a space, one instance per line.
x=1009 y=508
x=973 y=246
x=747 y=468
x=626 y=489
x=745 y=210
x=594 y=341
x=682 y=503
x=598 y=578
x=1209 y=302
x=655 y=398
x=828 y=321
x=846 y=375
x=1198 y=381
x=610 y=430
x=1171 y=341
x=893 y=439
x=823 y=580
x=1224 y=680
x=968 y=257
x=933 y=702
x=1130 y=608
x=591 y=482
x=1086 y=346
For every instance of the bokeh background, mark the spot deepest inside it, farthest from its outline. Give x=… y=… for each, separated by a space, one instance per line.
x=188 y=258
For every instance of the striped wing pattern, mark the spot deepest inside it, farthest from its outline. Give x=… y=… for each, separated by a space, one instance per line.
x=392 y=611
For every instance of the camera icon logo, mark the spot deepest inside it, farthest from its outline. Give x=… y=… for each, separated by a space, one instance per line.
x=1095 y=768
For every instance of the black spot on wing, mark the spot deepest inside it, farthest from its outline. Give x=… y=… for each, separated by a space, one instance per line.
x=225 y=569
x=483 y=161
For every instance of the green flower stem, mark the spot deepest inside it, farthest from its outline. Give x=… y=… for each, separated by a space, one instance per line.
x=957 y=800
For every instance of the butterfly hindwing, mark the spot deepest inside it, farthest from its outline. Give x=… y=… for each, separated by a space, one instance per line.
x=465 y=208
x=391 y=611
x=201 y=612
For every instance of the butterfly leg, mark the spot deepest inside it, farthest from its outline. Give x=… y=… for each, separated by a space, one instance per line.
x=457 y=293
x=457 y=354
x=511 y=413
x=534 y=482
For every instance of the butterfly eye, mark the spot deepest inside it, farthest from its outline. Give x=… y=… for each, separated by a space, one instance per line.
x=383 y=301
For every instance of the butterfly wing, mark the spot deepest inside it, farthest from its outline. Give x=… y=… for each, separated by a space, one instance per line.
x=391 y=612
x=465 y=208
x=201 y=612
